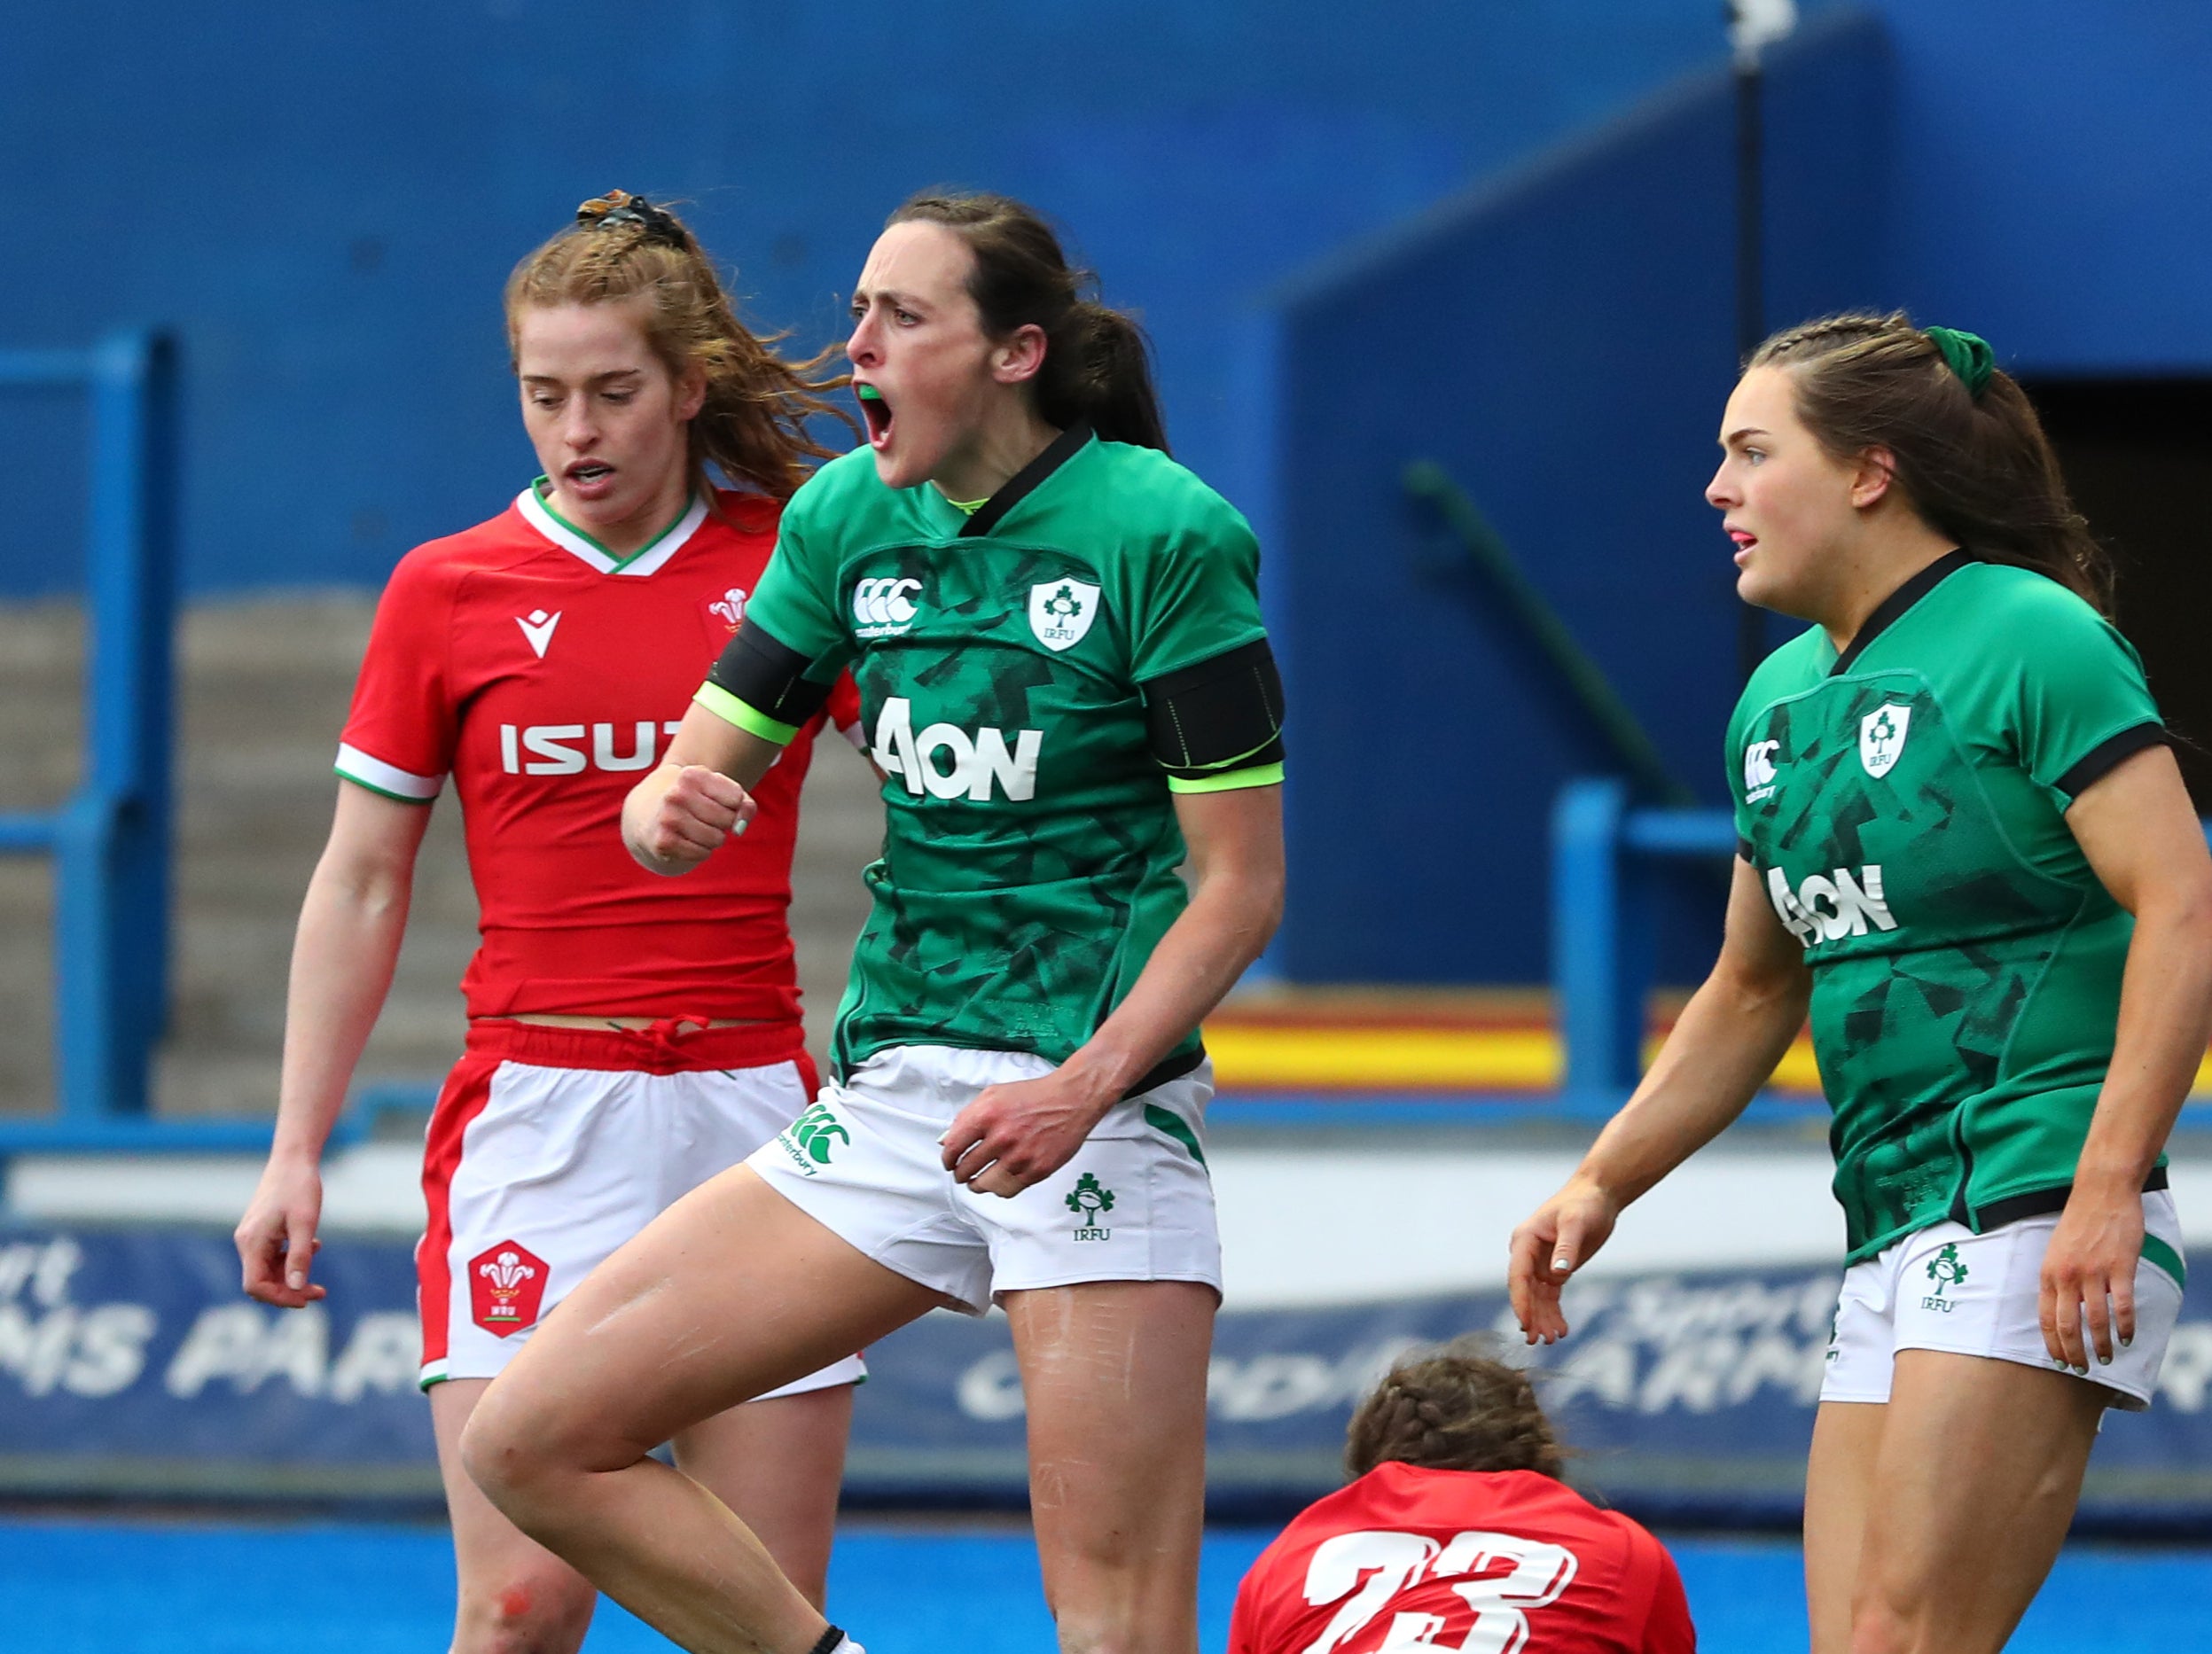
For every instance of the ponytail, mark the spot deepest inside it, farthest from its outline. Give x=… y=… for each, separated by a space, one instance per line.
x=753 y=425
x=1097 y=362
x=1969 y=451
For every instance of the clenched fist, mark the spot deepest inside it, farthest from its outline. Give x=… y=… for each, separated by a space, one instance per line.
x=674 y=820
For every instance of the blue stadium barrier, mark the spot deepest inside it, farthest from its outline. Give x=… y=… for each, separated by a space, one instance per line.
x=1604 y=854
x=131 y=1367
x=110 y=841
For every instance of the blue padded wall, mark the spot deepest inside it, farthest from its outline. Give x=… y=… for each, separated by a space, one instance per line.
x=1561 y=342
x=325 y=196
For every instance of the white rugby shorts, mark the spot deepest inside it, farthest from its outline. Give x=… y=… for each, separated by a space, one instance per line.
x=1946 y=1288
x=1135 y=1204
x=551 y=1147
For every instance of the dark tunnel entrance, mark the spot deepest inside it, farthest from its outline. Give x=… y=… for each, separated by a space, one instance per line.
x=2137 y=457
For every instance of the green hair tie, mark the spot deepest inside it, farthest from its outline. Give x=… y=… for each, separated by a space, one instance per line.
x=1966 y=355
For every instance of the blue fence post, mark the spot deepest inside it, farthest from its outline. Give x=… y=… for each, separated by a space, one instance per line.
x=111 y=847
x=1594 y=954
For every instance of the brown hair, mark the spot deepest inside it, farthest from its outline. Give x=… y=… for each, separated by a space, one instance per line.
x=1453 y=1408
x=1976 y=465
x=753 y=423
x=1097 y=362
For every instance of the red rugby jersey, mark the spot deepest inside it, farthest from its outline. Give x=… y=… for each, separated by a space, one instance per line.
x=545 y=675
x=1505 y=1563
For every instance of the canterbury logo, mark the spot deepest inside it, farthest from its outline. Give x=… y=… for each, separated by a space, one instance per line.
x=819 y=1132
x=1827 y=909
x=884 y=607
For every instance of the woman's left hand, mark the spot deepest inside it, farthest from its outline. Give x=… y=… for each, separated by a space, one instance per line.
x=1020 y=1133
x=2091 y=1267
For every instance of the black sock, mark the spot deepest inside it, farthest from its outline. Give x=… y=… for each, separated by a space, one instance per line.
x=828 y=1641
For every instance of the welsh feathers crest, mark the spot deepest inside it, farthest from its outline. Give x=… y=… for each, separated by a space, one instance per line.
x=1060 y=611
x=1882 y=737
x=730 y=607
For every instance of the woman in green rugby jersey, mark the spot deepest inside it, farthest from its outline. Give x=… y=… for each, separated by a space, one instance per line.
x=1966 y=846
x=1058 y=643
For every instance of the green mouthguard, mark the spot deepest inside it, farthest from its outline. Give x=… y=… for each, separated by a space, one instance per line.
x=868 y=394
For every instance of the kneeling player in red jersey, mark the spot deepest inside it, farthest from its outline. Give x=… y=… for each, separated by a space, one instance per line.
x=1456 y=1532
x=627 y=1038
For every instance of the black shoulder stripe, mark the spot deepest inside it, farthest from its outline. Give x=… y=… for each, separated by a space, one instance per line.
x=2108 y=755
x=1224 y=714
x=769 y=677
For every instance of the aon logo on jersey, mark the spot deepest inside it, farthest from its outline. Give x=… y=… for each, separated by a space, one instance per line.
x=1825 y=908
x=946 y=761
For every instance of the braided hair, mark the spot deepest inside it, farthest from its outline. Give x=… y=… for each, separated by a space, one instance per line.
x=1972 y=458
x=753 y=425
x=1453 y=1408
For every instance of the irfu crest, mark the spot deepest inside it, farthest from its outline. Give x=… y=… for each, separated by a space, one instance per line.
x=1090 y=1200
x=1060 y=611
x=1882 y=737
x=1945 y=1269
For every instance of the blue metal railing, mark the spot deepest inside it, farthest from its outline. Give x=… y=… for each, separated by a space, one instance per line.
x=1604 y=856
x=110 y=840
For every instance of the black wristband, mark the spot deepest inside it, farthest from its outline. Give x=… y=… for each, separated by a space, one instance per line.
x=827 y=1642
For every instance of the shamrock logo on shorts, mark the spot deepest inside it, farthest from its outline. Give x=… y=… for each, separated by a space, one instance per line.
x=1945 y=1269
x=1090 y=1200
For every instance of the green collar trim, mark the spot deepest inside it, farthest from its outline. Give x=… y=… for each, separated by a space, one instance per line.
x=648 y=558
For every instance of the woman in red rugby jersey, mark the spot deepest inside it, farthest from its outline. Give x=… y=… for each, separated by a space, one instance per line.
x=629 y=1037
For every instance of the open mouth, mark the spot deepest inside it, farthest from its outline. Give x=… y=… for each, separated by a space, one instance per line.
x=589 y=471
x=877 y=412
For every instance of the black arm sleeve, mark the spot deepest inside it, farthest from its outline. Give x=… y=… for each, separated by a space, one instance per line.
x=769 y=677
x=1220 y=715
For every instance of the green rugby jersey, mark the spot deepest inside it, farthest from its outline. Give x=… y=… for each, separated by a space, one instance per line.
x=1904 y=808
x=1002 y=659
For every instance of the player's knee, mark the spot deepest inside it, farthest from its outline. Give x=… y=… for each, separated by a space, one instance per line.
x=1883 y=1623
x=505 y=1458
x=526 y=1610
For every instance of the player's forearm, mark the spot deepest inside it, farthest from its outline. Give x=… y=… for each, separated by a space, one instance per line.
x=2165 y=1014
x=1233 y=912
x=342 y=958
x=1723 y=1049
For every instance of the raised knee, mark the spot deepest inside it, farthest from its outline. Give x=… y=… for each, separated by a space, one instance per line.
x=527 y=1612
x=495 y=1452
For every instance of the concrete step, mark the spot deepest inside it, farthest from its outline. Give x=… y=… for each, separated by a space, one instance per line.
x=263 y=688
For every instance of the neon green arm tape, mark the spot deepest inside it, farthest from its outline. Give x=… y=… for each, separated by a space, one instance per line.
x=1265 y=775
x=729 y=709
